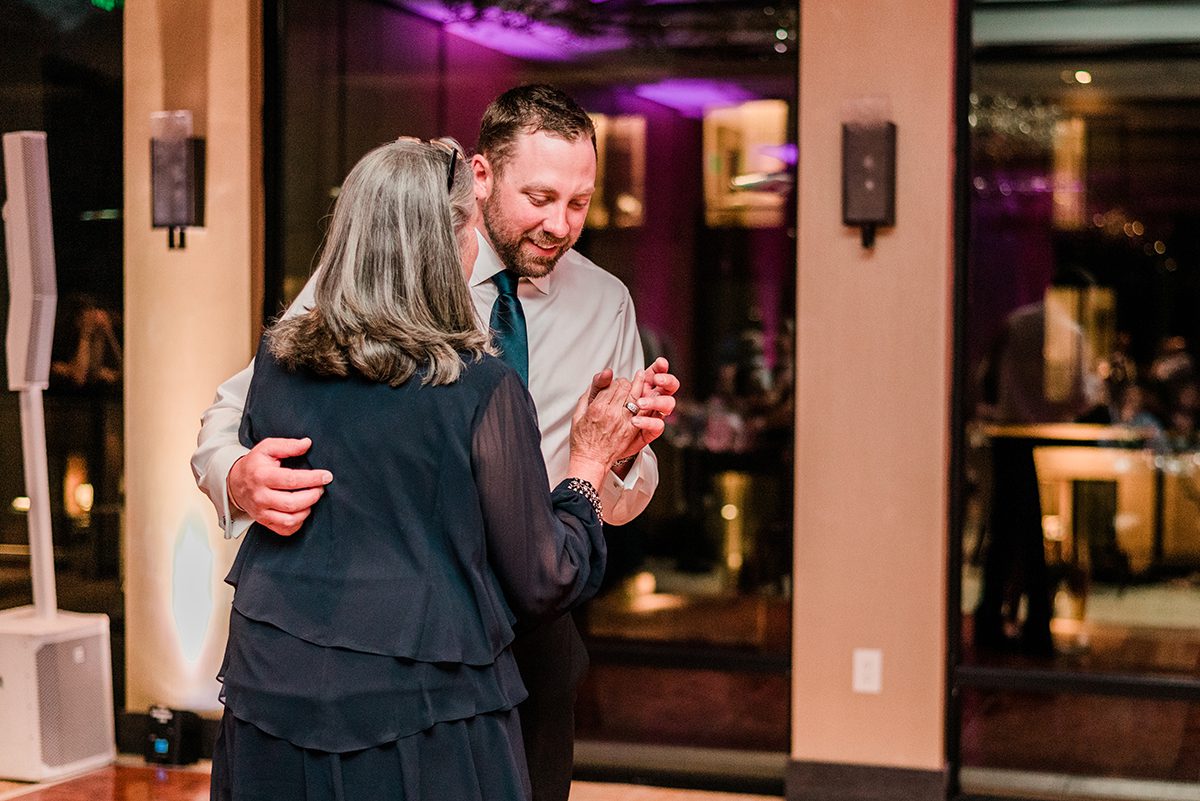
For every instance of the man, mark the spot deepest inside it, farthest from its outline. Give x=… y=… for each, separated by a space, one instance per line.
x=1040 y=371
x=560 y=320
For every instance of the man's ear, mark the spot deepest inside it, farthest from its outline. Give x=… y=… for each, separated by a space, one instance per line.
x=481 y=168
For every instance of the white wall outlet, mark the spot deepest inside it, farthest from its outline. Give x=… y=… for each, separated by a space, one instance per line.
x=867 y=674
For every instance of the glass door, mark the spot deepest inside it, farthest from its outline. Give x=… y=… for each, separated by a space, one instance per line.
x=1078 y=558
x=62 y=74
x=695 y=109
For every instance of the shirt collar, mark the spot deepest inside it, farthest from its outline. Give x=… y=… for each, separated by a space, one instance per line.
x=487 y=264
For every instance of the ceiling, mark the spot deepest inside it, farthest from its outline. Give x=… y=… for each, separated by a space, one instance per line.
x=1135 y=51
x=1001 y=23
x=731 y=32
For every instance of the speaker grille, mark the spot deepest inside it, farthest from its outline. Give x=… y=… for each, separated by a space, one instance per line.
x=37 y=198
x=73 y=700
x=41 y=328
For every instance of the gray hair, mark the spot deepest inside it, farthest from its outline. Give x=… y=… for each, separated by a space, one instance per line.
x=391 y=300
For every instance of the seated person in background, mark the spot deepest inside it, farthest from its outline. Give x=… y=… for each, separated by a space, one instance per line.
x=1172 y=364
x=369 y=653
x=1133 y=409
x=1182 y=411
x=96 y=354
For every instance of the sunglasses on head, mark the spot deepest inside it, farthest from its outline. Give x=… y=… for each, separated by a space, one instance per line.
x=449 y=144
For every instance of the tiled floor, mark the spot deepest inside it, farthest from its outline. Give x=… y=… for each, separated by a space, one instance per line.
x=131 y=782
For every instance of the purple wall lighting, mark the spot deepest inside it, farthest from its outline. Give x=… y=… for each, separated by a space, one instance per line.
x=787 y=153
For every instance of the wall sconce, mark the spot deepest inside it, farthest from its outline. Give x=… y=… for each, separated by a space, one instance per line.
x=868 y=166
x=176 y=175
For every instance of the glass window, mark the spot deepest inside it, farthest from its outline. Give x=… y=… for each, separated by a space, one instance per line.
x=60 y=72
x=694 y=212
x=1080 y=546
x=1074 y=735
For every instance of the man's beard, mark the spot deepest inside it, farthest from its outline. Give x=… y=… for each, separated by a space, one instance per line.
x=508 y=244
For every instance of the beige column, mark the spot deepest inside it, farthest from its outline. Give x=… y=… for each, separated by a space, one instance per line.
x=873 y=389
x=189 y=323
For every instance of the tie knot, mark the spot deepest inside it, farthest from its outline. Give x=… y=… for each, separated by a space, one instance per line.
x=506 y=282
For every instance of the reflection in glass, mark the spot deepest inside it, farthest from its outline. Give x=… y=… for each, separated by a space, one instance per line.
x=1082 y=268
x=1081 y=546
x=746 y=178
x=694 y=105
x=63 y=75
x=620 y=196
x=1062 y=735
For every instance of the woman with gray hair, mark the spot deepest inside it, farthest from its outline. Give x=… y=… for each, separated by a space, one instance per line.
x=368 y=654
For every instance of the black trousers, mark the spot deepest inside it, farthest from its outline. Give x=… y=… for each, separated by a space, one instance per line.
x=552 y=660
x=1015 y=560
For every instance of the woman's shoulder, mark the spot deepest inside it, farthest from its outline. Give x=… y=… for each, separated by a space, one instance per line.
x=488 y=380
x=487 y=371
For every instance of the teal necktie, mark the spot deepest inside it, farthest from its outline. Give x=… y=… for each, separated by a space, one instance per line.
x=508 y=325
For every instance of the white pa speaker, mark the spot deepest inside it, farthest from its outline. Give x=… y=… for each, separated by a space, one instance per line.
x=29 y=245
x=56 y=712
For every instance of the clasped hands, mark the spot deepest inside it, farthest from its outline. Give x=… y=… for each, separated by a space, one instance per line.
x=281 y=498
x=655 y=398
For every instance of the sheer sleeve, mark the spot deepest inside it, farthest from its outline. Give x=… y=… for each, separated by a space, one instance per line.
x=547 y=548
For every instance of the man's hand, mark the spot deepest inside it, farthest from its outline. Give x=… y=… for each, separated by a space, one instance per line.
x=658 y=393
x=278 y=497
x=600 y=381
x=656 y=401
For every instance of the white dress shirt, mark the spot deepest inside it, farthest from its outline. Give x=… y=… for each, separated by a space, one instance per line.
x=580 y=320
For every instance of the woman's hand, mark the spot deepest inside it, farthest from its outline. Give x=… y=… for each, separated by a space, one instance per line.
x=604 y=428
x=656 y=402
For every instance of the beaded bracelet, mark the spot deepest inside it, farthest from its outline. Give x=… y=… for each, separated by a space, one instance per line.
x=585 y=488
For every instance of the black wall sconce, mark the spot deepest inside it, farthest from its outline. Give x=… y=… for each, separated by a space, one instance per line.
x=868 y=167
x=176 y=175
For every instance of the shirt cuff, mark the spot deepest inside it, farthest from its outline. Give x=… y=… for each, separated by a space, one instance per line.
x=238 y=524
x=624 y=499
x=615 y=483
x=232 y=520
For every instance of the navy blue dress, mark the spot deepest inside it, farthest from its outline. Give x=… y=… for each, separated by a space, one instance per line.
x=369 y=653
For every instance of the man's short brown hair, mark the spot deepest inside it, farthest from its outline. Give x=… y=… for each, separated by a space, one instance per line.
x=526 y=110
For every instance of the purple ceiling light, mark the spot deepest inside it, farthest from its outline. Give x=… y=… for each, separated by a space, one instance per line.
x=515 y=34
x=691 y=97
